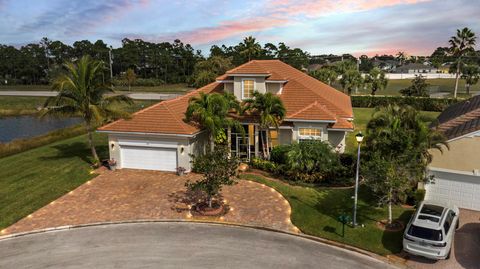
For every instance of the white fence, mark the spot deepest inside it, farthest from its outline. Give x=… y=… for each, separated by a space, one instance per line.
x=412 y=75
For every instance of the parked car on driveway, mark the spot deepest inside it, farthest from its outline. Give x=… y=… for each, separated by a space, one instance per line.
x=431 y=230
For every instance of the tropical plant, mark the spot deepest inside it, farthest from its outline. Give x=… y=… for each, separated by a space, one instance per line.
x=249 y=48
x=398 y=148
x=325 y=75
x=211 y=112
x=269 y=111
x=310 y=161
x=375 y=80
x=207 y=70
x=130 y=77
x=419 y=87
x=460 y=45
x=81 y=92
x=350 y=80
x=401 y=57
x=471 y=74
x=219 y=169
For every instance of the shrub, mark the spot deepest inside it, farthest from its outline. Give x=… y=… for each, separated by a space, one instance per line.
x=311 y=161
x=263 y=165
x=145 y=82
x=419 y=103
x=279 y=154
x=419 y=196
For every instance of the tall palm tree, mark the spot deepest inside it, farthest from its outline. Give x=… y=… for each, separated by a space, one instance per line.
x=401 y=140
x=211 y=112
x=350 y=80
x=250 y=47
x=82 y=92
x=270 y=111
x=401 y=57
x=460 y=45
x=325 y=75
x=471 y=74
x=376 y=80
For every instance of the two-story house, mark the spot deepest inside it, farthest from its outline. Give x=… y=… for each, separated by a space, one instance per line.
x=158 y=138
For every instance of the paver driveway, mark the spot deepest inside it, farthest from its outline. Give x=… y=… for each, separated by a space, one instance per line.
x=466 y=248
x=139 y=194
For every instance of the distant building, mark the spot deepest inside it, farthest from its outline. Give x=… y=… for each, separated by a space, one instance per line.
x=414 y=68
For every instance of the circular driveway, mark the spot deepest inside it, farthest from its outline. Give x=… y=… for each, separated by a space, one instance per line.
x=174 y=245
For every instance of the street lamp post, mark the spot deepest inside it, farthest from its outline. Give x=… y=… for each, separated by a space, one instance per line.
x=359 y=138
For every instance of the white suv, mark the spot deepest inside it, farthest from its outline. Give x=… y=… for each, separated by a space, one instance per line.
x=431 y=230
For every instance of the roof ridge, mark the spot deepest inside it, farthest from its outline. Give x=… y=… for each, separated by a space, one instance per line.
x=315 y=103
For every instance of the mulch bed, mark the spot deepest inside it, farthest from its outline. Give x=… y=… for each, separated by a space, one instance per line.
x=395 y=226
x=217 y=209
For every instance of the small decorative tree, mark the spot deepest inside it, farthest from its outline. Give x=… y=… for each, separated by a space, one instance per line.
x=130 y=77
x=419 y=87
x=218 y=169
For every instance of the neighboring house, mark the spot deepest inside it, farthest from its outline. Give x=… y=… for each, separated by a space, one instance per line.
x=457 y=171
x=158 y=138
x=414 y=68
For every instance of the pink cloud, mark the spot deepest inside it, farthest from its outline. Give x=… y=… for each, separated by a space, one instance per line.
x=316 y=8
x=224 y=30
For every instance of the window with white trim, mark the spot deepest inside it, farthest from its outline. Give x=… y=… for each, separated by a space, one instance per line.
x=248 y=87
x=309 y=133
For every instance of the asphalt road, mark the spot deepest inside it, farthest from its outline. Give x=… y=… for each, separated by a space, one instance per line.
x=175 y=245
x=136 y=95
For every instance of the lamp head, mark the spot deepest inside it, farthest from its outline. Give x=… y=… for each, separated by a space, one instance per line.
x=359 y=137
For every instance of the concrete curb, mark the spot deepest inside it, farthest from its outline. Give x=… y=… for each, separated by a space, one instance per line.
x=227 y=224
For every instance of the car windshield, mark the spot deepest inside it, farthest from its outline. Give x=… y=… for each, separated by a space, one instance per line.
x=425 y=233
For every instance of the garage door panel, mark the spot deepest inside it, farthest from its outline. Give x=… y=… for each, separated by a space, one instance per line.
x=149 y=158
x=461 y=190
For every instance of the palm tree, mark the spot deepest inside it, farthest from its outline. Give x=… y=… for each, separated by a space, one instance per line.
x=250 y=47
x=210 y=112
x=376 y=80
x=400 y=141
x=401 y=57
x=471 y=74
x=351 y=79
x=82 y=92
x=270 y=111
x=460 y=45
x=325 y=75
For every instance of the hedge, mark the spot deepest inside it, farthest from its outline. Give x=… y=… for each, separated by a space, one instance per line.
x=420 y=103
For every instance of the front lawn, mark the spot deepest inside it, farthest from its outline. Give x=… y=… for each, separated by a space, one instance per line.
x=315 y=211
x=32 y=179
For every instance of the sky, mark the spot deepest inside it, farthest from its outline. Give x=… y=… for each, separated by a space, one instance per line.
x=318 y=26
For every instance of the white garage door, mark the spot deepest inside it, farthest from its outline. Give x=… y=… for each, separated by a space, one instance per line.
x=458 y=189
x=149 y=158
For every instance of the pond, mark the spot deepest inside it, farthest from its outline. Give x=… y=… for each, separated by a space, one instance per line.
x=21 y=127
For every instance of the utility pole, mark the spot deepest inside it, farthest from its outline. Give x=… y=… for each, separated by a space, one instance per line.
x=111 y=62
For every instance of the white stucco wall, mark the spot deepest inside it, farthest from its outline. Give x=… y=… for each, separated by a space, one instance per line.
x=337 y=140
x=237 y=85
x=189 y=146
x=273 y=87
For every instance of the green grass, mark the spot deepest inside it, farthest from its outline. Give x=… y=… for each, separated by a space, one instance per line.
x=19 y=105
x=16 y=105
x=166 y=88
x=32 y=179
x=436 y=85
x=315 y=211
x=363 y=115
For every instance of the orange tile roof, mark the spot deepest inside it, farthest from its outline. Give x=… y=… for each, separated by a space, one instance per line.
x=165 y=117
x=342 y=124
x=304 y=97
x=313 y=111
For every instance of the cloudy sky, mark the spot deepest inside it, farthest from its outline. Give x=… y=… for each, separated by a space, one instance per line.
x=318 y=26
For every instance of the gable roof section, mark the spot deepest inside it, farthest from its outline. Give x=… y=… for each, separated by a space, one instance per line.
x=460 y=119
x=314 y=111
x=165 y=117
